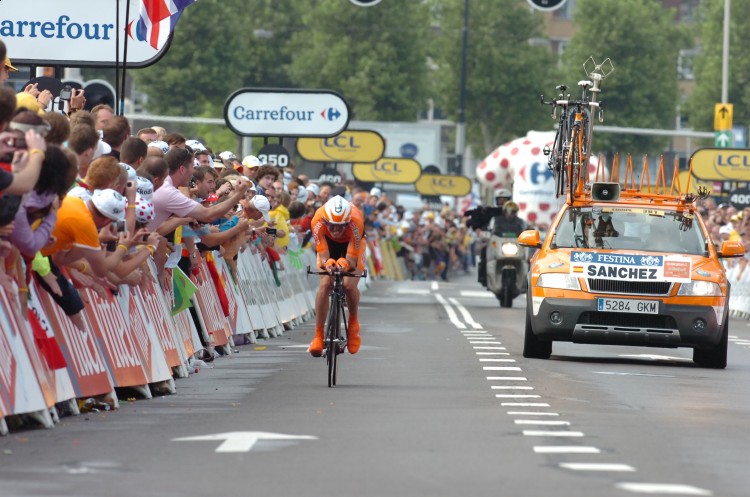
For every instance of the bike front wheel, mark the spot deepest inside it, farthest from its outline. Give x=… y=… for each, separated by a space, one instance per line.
x=332 y=336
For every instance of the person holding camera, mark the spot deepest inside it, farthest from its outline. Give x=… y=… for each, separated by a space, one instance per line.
x=479 y=219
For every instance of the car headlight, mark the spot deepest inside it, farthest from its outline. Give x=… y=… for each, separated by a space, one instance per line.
x=558 y=280
x=700 y=289
x=509 y=249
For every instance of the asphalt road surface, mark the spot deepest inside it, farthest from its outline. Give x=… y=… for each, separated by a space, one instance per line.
x=439 y=402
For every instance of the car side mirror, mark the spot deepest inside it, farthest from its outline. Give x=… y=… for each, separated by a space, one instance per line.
x=531 y=238
x=731 y=249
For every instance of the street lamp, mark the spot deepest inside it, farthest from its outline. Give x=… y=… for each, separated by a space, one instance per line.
x=461 y=125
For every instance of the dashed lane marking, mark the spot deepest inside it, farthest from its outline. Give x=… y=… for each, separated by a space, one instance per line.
x=495 y=360
x=475 y=294
x=413 y=291
x=532 y=413
x=485 y=343
x=467 y=317
x=540 y=422
x=434 y=286
x=490 y=348
x=451 y=313
x=552 y=433
x=510 y=387
x=506 y=378
x=662 y=488
x=517 y=396
x=524 y=404
x=595 y=466
x=566 y=449
x=501 y=368
x=618 y=373
x=493 y=353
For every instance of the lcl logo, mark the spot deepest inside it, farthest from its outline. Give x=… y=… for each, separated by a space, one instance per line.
x=443 y=182
x=341 y=141
x=387 y=166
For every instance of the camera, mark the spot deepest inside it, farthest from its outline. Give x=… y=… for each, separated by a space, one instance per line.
x=66 y=93
x=119 y=226
x=271 y=231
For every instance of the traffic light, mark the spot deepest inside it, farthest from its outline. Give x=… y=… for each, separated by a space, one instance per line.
x=98 y=91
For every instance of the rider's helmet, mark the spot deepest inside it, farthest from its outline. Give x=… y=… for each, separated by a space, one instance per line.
x=510 y=207
x=502 y=195
x=337 y=210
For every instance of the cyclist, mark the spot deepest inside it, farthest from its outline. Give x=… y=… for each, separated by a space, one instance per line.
x=338 y=230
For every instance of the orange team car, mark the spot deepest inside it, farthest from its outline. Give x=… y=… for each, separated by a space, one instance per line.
x=626 y=267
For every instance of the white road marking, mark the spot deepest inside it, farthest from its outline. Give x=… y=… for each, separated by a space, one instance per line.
x=472 y=332
x=492 y=353
x=618 y=373
x=490 y=348
x=656 y=357
x=524 y=404
x=413 y=291
x=501 y=368
x=553 y=433
x=434 y=286
x=465 y=313
x=242 y=441
x=473 y=293
x=662 y=488
x=566 y=449
x=486 y=343
x=541 y=422
x=451 y=313
x=517 y=396
x=594 y=466
x=495 y=360
x=510 y=387
x=478 y=336
x=532 y=413
x=506 y=378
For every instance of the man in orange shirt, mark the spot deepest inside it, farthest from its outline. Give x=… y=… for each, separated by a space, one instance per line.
x=338 y=229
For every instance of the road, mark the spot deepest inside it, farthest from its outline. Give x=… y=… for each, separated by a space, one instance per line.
x=439 y=402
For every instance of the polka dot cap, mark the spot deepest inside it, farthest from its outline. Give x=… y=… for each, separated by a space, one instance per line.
x=144 y=210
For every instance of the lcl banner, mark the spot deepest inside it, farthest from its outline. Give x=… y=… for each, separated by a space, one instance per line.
x=348 y=146
x=389 y=170
x=440 y=184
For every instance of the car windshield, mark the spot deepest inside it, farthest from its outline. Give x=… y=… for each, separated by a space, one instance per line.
x=630 y=228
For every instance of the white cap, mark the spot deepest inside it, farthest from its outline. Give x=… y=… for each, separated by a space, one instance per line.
x=227 y=155
x=161 y=145
x=376 y=191
x=110 y=203
x=195 y=146
x=251 y=161
x=263 y=205
x=313 y=188
x=144 y=188
x=302 y=194
x=132 y=175
x=102 y=148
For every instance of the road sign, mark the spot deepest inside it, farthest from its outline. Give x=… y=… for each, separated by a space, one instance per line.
x=723 y=139
x=242 y=441
x=723 y=117
x=274 y=154
x=546 y=5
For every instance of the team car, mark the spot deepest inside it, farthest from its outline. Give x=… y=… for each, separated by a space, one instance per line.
x=623 y=266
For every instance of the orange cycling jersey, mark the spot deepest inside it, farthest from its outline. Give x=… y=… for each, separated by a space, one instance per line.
x=353 y=236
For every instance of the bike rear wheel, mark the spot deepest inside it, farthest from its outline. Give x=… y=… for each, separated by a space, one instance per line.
x=574 y=161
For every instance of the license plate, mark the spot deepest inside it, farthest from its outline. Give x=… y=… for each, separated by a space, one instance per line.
x=627 y=305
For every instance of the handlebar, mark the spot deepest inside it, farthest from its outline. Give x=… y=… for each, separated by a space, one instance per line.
x=337 y=272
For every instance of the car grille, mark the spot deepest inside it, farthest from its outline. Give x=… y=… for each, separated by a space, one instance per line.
x=627 y=320
x=629 y=287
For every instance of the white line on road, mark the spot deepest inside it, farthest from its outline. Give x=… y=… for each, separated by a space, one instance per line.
x=501 y=368
x=517 y=396
x=489 y=348
x=524 y=404
x=471 y=332
x=510 y=387
x=662 y=488
x=532 y=413
x=566 y=449
x=451 y=313
x=593 y=466
x=553 y=433
x=472 y=293
x=492 y=353
x=486 y=343
x=506 y=378
x=434 y=286
x=619 y=373
x=494 y=360
x=479 y=337
x=413 y=291
x=465 y=313
x=541 y=422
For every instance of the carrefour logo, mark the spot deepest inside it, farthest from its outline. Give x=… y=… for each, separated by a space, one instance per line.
x=330 y=114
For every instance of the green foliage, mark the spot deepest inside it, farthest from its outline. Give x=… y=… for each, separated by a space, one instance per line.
x=707 y=67
x=505 y=72
x=376 y=57
x=643 y=41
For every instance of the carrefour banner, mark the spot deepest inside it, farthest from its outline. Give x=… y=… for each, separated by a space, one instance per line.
x=630 y=267
x=389 y=170
x=441 y=184
x=74 y=33
x=286 y=112
x=348 y=146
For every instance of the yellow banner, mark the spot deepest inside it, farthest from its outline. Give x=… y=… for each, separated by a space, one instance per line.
x=389 y=170
x=439 y=184
x=347 y=146
x=721 y=164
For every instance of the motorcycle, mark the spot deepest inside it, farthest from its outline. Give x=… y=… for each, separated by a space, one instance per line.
x=507 y=265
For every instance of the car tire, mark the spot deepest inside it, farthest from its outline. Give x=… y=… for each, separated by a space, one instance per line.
x=715 y=358
x=533 y=347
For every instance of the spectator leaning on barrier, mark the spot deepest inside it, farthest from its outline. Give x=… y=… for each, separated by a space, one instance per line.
x=116 y=131
x=84 y=142
x=102 y=114
x=133 y=152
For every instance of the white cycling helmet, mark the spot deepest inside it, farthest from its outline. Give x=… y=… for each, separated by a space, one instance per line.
x=337 y=210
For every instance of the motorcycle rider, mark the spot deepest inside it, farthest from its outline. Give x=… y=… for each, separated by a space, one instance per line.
x=509 y=222
x=479 y=219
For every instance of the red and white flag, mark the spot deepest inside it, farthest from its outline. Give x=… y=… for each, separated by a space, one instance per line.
x=158 y=19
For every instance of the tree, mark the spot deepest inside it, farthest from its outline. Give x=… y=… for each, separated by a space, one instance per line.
x=506 y=70
x=643 y=41
x=707 y=66
x=376 y=57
